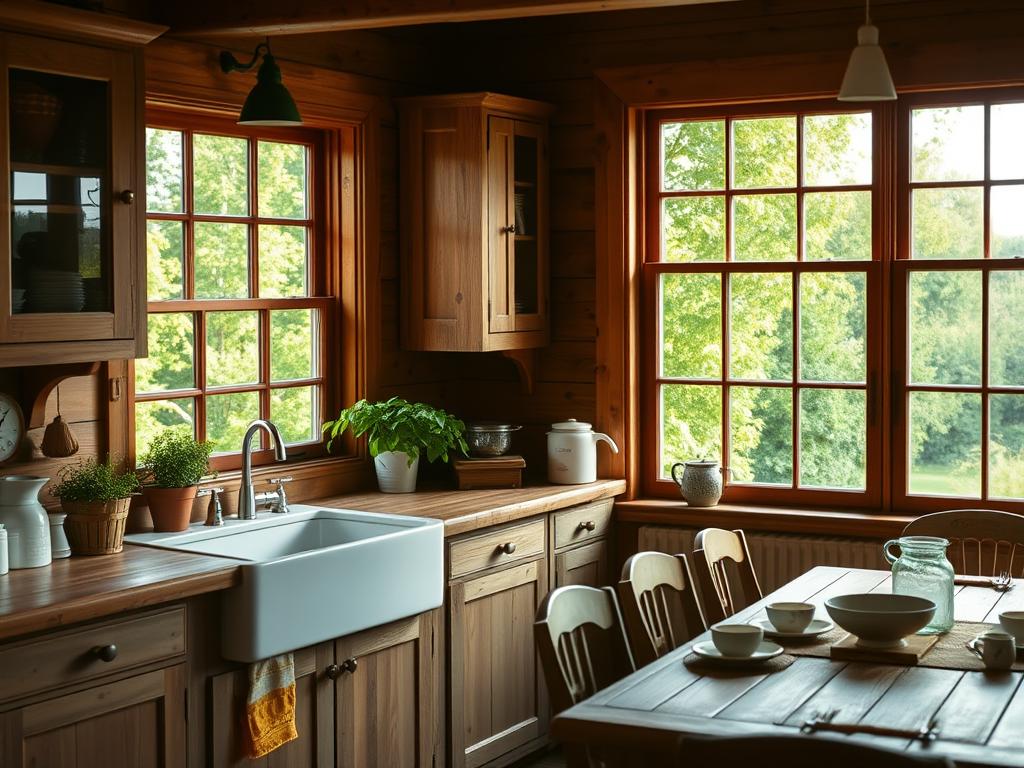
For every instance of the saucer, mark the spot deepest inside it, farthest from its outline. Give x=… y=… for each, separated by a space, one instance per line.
x=765 y=651
x=815 y=628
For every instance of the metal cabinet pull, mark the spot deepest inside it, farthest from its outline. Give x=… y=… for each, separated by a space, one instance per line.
x=127 y=197
x=106 y=653
x=589 y=525
x=507 y=548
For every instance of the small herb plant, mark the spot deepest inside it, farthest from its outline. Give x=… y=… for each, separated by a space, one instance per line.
x=175 y=459
x=398 y=425
x=91 y=480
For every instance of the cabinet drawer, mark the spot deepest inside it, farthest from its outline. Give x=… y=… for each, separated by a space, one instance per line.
x=583 y=523
x=71 y=657
x=507 y=545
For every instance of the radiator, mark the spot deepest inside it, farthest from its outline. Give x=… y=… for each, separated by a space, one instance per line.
x=778 y=558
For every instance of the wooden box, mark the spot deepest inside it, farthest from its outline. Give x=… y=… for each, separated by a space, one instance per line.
x=497 y=472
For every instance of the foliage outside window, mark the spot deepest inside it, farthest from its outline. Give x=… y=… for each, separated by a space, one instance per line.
x=235 y=322
x=767 y=284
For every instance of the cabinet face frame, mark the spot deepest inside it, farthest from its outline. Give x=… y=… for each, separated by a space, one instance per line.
x=593 y=554
x=117 y=69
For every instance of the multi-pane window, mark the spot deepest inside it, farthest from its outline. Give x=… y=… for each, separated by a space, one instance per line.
x=835 y=300
x=960 y=302
x=235 y=325
x=759 y=266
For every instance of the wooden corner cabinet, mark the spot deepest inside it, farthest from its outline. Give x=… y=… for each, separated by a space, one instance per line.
x=474 y=223
x=72 y=173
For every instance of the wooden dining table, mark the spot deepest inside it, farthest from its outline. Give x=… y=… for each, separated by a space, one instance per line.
x=980 y=715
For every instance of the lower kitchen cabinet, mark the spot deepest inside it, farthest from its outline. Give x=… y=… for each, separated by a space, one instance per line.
x=137 y=722
x=370 y=699
x=389 y=696
x=314 y=716
x=498 y=703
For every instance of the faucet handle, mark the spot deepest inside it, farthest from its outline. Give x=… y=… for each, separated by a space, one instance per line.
x=280 y=504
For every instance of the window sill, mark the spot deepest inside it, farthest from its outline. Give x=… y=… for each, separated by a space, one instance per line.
x=310 y=477
x=757 y=518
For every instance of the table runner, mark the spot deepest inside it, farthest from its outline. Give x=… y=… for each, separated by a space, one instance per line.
x=948 y=653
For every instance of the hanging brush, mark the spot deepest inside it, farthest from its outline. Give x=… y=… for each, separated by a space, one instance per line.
x=59 y=441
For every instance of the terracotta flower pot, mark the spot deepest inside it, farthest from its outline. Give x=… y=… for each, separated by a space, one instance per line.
x=170 y=508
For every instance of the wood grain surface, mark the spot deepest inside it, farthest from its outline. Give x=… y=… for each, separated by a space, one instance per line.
x=976 y=710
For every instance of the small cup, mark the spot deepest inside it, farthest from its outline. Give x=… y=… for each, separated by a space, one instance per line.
x=736 y=639
x=996 y=649
x=791 y=618
x=1012 y=623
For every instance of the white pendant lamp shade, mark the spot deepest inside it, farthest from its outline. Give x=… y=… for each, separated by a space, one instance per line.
x=867 y=75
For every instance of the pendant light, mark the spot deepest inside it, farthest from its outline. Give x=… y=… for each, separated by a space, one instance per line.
x=269 y=102
x=867 y=75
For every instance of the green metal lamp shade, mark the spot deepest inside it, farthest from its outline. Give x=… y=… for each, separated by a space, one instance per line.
x=269 y=102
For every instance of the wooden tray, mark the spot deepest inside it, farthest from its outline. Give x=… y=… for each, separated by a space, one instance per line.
x=498 y=472
x=910 y=655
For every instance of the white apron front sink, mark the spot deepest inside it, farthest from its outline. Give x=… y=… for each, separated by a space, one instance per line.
x=314 y=574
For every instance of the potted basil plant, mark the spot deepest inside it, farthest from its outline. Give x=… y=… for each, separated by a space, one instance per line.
x=95 y=497
x=398 y=434
x=173 y=466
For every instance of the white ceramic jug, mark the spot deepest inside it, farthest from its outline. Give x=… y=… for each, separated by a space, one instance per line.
x=572 y=452
x=28 y=528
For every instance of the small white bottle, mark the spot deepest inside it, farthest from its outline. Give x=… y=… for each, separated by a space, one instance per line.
x=3 y=551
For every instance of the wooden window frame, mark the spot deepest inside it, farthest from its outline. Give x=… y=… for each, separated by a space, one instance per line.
x=652 y=269
x=323 y=284
x=904 y=265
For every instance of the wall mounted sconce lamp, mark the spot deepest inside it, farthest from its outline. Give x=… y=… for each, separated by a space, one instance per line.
x=269 y=102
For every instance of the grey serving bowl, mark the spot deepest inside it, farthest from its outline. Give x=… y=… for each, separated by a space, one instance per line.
x=880 y=620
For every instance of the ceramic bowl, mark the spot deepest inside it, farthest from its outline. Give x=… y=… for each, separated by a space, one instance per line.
x=790 y=617
x=880 y=620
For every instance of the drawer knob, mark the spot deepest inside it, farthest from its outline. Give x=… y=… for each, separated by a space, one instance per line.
x=105 y=653
x=350 y=665
x=589 y=525
x=508 y=548
x=333 y=671
x=127 y=197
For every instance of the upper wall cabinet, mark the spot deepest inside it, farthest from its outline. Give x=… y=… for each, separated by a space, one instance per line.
x=72 y=174
x=474 y=223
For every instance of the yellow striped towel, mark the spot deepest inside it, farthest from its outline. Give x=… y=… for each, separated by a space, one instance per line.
x=270 y=707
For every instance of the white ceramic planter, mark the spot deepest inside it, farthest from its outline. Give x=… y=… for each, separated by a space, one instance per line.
x=394 y=472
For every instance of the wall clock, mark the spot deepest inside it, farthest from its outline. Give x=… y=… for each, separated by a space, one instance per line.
x=12 y=426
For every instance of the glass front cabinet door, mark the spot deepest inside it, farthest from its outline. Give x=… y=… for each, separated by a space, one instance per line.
x=71 y=271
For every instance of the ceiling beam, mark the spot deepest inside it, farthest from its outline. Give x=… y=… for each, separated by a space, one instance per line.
x=272 y=17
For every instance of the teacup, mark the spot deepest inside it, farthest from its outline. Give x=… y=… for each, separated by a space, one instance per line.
x=1012 y=623
x=736 y=639
x=996 y=649
x=792 y=618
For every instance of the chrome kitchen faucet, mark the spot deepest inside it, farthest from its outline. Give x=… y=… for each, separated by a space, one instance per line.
x=247 y=499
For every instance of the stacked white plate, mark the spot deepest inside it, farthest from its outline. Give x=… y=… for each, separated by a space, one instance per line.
x=17 y=300
x=51 y=290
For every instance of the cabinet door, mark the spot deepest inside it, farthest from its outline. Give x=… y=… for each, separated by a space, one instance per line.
x=314 y=717
x=586 y=565
x=68 y=271
x=497 y=699
x=530 y=238
x=134 y=723
x=389 y=696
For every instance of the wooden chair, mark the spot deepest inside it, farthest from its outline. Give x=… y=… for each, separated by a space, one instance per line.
x=982 y=542
x=795 y=752
x=659 y=604
x=581 y=643
x=722 y=562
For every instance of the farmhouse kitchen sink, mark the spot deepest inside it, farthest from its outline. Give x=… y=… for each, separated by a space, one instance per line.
x=313 y=574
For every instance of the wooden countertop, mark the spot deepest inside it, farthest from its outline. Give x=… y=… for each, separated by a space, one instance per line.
x=83 y=588
x=464 y=511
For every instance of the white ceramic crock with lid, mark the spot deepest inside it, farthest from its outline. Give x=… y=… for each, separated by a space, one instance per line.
x=572 y=452
x=28 y=528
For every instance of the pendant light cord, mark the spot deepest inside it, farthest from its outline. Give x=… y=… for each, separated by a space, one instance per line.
x=58 y=399
x=867 y=13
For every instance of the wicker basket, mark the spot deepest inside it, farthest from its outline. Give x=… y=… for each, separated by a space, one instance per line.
x=96 y=527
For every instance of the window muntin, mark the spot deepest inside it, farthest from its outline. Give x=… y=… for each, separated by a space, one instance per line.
x=236 y=328
x=759 y=264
